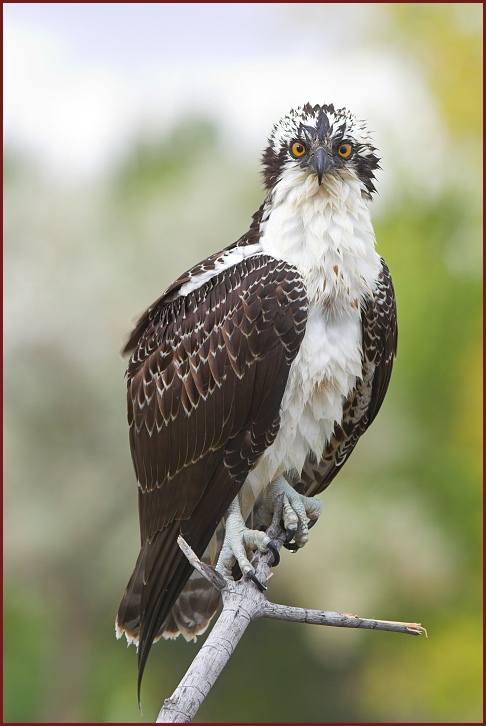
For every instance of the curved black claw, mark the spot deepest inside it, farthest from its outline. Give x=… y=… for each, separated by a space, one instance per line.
x=288 y=544
x=289 y=534
x=256 y=581
x=292 y=546
x=275 y=553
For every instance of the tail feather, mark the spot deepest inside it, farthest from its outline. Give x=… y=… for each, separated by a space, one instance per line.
x=160 y=573
x=128 y=616
x=157 y=602
x=165 y=596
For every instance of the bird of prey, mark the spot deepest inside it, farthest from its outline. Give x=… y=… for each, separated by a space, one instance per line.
x=256 y=373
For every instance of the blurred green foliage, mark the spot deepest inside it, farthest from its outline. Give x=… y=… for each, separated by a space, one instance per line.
x=400 y=537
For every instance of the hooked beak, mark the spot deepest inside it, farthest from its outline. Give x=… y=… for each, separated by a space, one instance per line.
x=321 y=162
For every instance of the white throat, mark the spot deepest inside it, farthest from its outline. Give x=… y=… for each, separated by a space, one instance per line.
x=326 y=233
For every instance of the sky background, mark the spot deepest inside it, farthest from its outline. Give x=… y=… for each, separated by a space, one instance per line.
x=82 y=79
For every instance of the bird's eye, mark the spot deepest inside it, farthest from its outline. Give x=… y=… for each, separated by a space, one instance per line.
x=298 y=149
x=344 y=150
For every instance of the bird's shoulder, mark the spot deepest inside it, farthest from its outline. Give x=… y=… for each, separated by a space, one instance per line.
x=255 y=293
x=204 y=267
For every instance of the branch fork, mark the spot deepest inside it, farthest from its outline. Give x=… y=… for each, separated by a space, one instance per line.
x=243 y=602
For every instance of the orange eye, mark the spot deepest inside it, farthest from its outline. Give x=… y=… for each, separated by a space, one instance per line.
x=344 y=150
x=298 y=149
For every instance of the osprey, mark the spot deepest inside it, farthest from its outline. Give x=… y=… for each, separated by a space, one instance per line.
x=256 y=373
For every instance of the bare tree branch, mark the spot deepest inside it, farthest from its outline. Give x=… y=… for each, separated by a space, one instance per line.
x=242 y=603
x=337 y=620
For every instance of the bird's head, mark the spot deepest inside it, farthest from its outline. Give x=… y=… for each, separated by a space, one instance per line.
x=320 y=140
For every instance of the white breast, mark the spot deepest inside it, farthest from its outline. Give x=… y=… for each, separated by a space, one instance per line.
x=326 y=233
x=321 y=376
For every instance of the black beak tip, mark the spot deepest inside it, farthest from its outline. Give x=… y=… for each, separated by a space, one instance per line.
x=322 y=163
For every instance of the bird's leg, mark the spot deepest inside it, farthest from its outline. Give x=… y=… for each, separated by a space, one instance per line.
x=238 y=542
x=297 y=509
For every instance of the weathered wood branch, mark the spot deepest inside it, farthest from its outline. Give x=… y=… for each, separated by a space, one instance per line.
x=242 y=603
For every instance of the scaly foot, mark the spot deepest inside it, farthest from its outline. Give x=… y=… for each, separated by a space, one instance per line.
x=297 y=509
x=239 y=541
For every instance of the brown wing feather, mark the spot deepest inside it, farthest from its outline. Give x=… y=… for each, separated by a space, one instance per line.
x=379 y=326
x=205 y=383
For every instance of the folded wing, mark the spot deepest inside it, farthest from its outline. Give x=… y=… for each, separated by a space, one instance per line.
x=205 y=383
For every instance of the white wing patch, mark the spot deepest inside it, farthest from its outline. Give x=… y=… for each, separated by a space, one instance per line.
x=227 y=259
